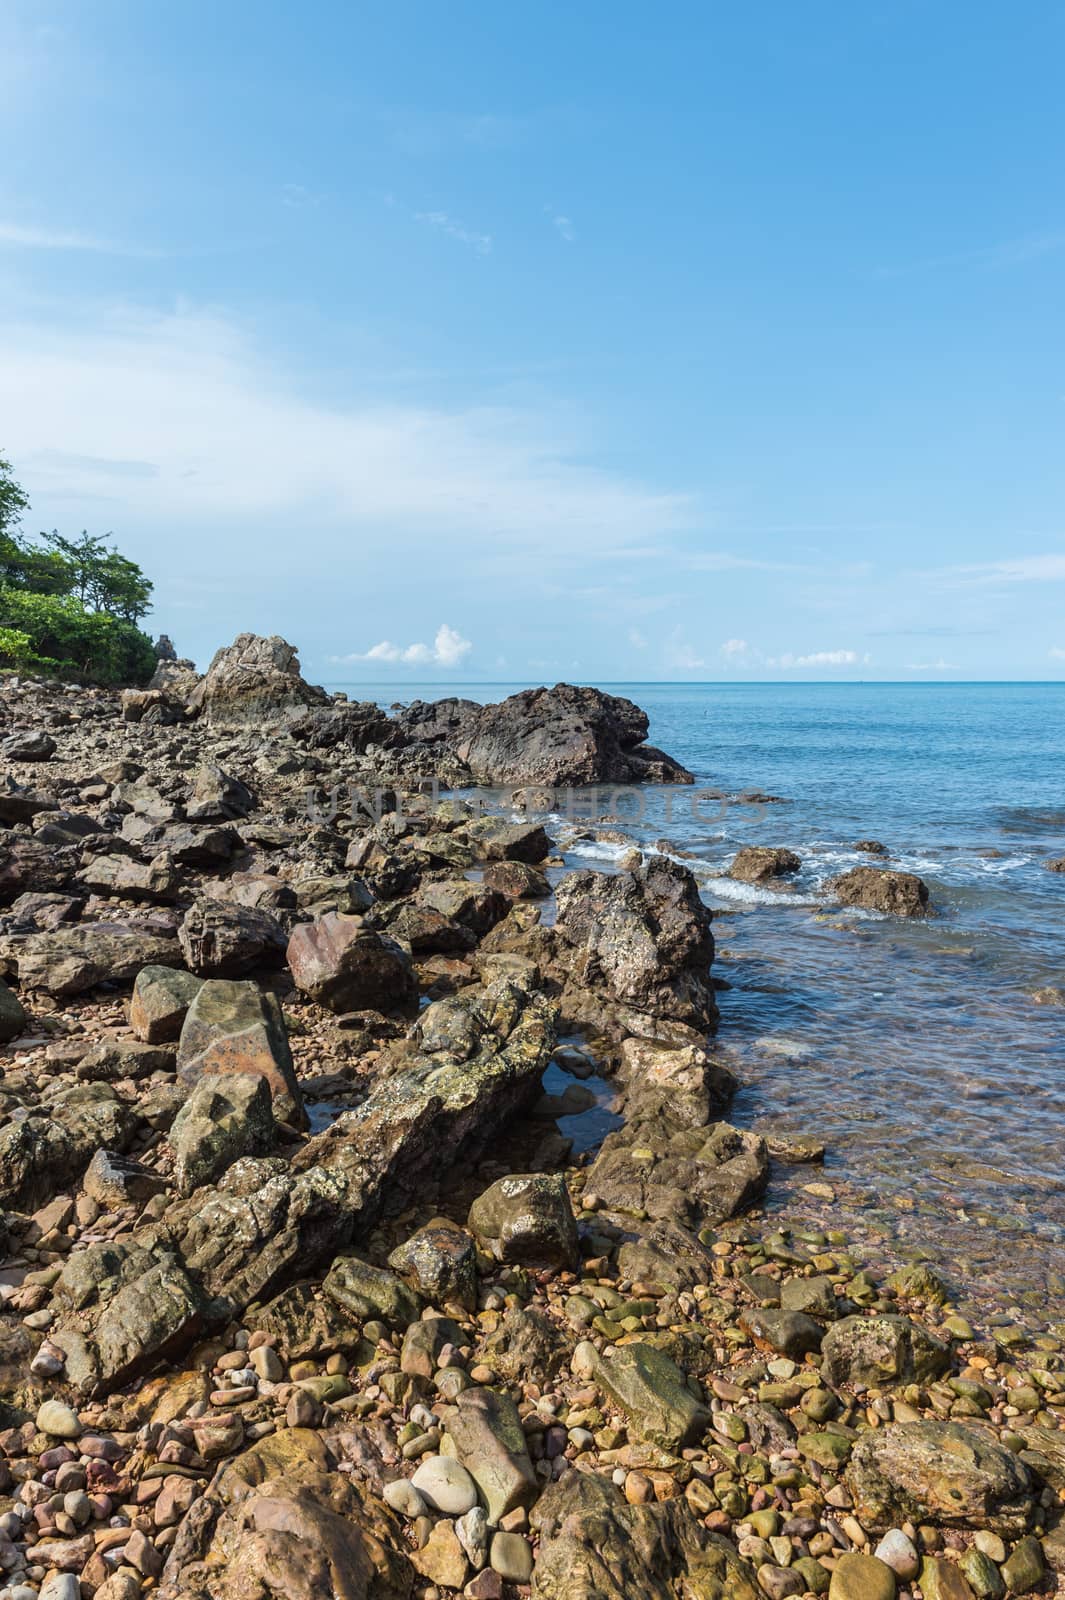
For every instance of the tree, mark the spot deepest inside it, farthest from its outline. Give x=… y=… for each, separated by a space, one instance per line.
x=13 y=500
x=101 y=578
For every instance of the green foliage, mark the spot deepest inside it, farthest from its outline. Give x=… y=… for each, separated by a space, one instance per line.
x=69 y=605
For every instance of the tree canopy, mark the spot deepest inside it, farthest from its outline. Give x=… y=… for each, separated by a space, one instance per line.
x=69 y=605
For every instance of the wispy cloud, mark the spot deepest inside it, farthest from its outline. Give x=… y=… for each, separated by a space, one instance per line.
x=448 y=649
x=1049 y=568
x=562 y=225
x=1056 y=653
x=821 y=658
x=480 y=243
x=733 y=649
x=300 y=198
x=679 y=655
x=22 y=237
x=933 y=666
x=1006 y=253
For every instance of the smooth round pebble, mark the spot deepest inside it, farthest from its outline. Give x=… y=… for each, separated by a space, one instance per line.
x=858 y=1577
x=60 y=1420
x=445 y=1485
x=898 y=1553
x=511 y=1556
x=402 y=1496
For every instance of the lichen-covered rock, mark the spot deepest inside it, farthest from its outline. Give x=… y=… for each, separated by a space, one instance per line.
x=236 y=1027
x=528 y=1219
x=160 y=1002
x=653 y=1393
x=899 y=894
x=940 y=1473
x=345 y=966
x=43 y=1152
x=441 y=1262
x=71 y=960
x=660 y=1167
x=366 y=1291
x=643 y=937
x=227 y=1115
x=874 y=1351
x=486 y=1432
x=595 y=1546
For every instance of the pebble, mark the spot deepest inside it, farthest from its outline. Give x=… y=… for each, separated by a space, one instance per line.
x=858 y=1577
x=511 y=1557
x=58 y=1419
x=445 y=1485
x=896 y=1551
x=402 y=1496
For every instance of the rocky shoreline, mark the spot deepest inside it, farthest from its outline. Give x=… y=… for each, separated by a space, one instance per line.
x=306 y=1294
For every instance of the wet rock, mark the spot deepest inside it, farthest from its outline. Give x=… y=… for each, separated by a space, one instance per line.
x=813 y=1296
x=660 y=1167
x=761 y=863
x=873 y=1351
x=227 y=1115
x=643 y=937
x=564 y=735
x=900 y=894
x=653 y=1393
x=786 y=1333
x=254 y=681
x=516 y=880
x=236 y=1027
x=898 y=1552
x=44 y=1152
x=440 y=1260
x=222 y=940
x=940 y=1473
x=1056 y=865
x=487 y=1435
x=594 y=1546
x=160 y=1002
x=527 y=1219
x=346 y=967
x=13 y=1015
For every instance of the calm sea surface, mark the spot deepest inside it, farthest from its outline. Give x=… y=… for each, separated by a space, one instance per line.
x=923 y=1053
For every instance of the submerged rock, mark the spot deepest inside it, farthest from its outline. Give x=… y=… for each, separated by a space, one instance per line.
x=900 y=894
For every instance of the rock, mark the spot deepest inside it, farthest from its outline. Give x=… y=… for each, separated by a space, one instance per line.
x=441 y=1261
x=487 y=1435
x=786 y=1333
x=305 y=1323
x=161 y=999
x=899 y=894
x=64 y=1586
x=527 y=1219
x=898 y=1552
x=122 y=877
x=471 y=905
x=661 y=1167
x=222 y=940
x=60 y=1420
x=401 y=1495
x=445 y=1485
x=864 y=1352
x=115 y=1059
x=42 y=1153
x=858 y=1577
x=346 y=967
x=919 y=1281
x=254 y=681
x=227 y=1115
x=760 y=863
x=27 y=745
x=676 y=1069
x=982 y=1575
x=115 y=1181
x=367 y=1291
x=516 y=880
x=643 y=937
x=236 y=1027
x=1056 y=865
x=217 y=796
x=594 y=1546
x=1025 y=1568
x=526 y=1344
x=943 y=1580
x=813 y=1296
x=71 y=960
x=441 y=1558
x=939 y=1473
x=563 y=735
x=511 y=1557
x=13 y=1015
x=653 y=1393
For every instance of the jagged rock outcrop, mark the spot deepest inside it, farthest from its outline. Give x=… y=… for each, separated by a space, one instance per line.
x=255 y=680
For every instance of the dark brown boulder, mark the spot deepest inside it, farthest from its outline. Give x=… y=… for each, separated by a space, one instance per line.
x=345 y=966
x=899 y=894
x=760 y=863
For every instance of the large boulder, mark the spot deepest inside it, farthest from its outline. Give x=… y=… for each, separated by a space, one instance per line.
x=564 y=735
x=255 y=680
x=643 y=937
x=527 y=1218
x=898 y=894
x=227 y=1116
x=221 y=939
x=347 y=967
x=233 y=1027
x=69 y=961
x=487 y=1437
x=50 y=1148
x=865 y=1352
x=941 y=1473
x=659 y=1166
x=595 y=1546
x=160 y=1002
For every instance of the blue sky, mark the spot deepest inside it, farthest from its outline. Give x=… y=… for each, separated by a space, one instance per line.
x=527 y=342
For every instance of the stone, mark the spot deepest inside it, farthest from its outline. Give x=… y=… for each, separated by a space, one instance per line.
x=440 y=1260
x=488 y=1439
x=661 y=1166
x=653 y=1393
x=939 y=1473
x=234 y=1027
x=643 y=937
x=124 y=878
x=255 y=681
x=62 y=1586
x=115 y=1059
x=787 y=1333
x=50 y=1148
x=1025 y=1567
x=28 y=744
x=474 y=906
x=898 y=894
x=402 y=1496
x=13 y=1015
x=217 y=795
x=511 y=1556
x=815 y=1297
x=943 y=1580
x=227 y=1115
x=70 y=961
x=115 y=1181
x=982 y=1575
x=223 y=940
x=898 y=1552
x=595 y=1546
x=347 y=967
x=60 y=1420
x=859 y=1577
x=445 y=1485
x=865 y=1352
x=442 y=1559
x=368 y=1292
x=761 y=863
x=527 y=1219
x=517 y=880
x=160 y=1001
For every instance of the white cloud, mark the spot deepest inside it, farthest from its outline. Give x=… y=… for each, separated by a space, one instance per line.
x=733 y=648
x=565 y=229
x=934 y=666
x=679 y=655
x=481 y=243
x=29 y=238
x=1049 y=568
x=822 y=658
x=448 y=649
x=175 y=419
x=1056 y=653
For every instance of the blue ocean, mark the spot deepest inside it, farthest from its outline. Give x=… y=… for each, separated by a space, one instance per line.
x=928 y=1055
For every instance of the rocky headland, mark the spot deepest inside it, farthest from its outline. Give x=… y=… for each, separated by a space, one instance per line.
x=306 y=1294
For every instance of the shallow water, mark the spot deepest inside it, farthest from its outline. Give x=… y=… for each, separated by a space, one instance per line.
x=916 y=1050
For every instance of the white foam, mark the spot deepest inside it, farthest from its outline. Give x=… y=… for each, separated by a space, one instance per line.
x=735 y=892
